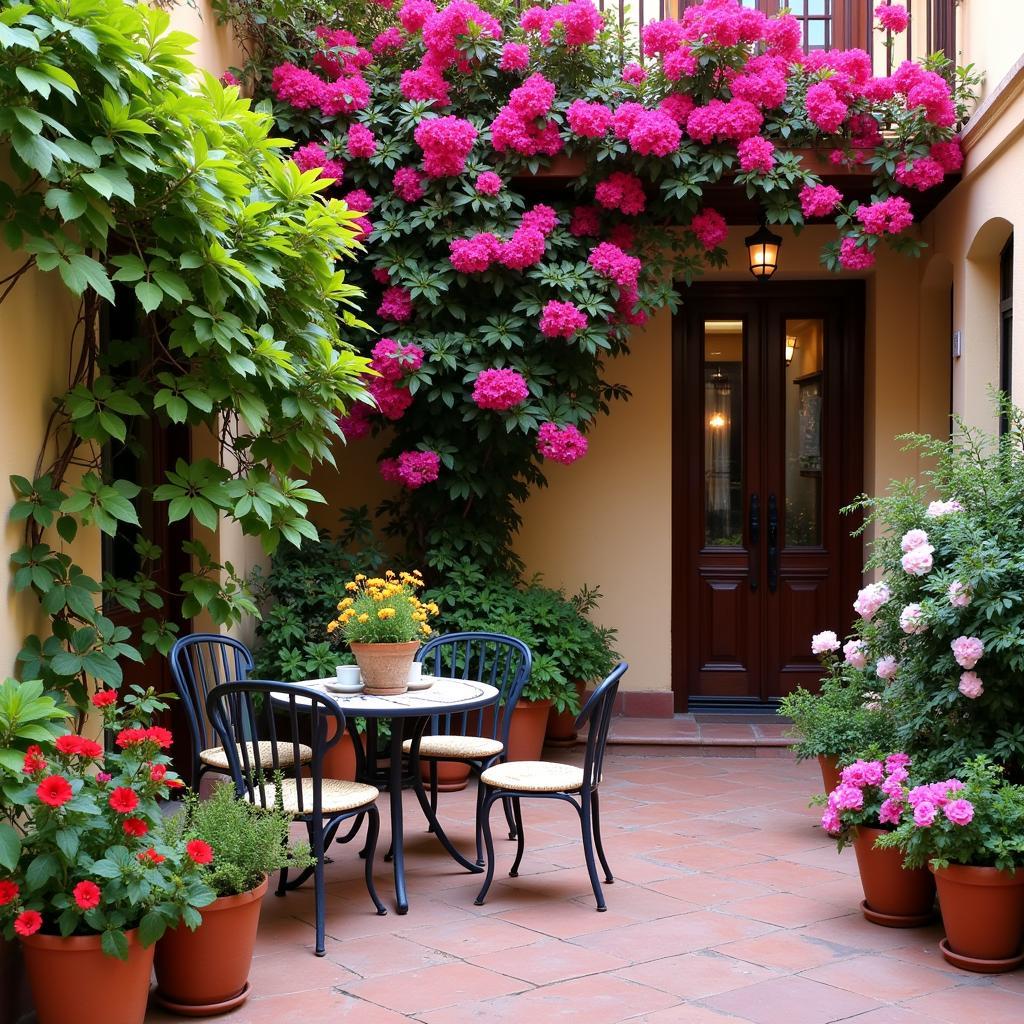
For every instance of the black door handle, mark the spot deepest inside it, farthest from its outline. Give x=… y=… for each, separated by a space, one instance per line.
x=773 y=543
x=755 y=541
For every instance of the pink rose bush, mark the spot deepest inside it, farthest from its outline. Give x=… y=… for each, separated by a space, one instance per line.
x=871 y=793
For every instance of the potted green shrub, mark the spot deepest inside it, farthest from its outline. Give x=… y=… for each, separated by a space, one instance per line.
x=204 y=969
x=87 y=880
x=969 y=830
x=865 y=804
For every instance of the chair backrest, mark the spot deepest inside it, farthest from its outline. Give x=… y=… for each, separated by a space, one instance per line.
x=598 y=713
x=200 y=662
x=281 y=717
x=494 y=658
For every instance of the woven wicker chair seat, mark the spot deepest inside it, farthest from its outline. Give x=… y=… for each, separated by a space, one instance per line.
x=477 y=747
x=534 y=776
x=216 y=757
x=337 y=796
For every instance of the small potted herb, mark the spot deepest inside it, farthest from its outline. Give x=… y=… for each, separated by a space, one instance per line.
x=203 y=969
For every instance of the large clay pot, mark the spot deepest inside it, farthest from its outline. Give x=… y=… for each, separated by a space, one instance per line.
x=385 y=667
x=340 y=760
x=983 y=914
x=829 y=765
x=204 y=972
x=74 y=982
x=527 y=728
x=562 y=724
x=894 y=896
x=452 y=776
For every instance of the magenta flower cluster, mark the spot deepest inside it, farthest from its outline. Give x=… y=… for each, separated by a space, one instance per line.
x=856 y=783
x=411 y=469
x=561 y=319
x=499 y=390
x=561 y=444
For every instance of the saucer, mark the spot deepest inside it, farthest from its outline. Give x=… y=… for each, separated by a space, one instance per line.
x=423 y=683
x=335 y=687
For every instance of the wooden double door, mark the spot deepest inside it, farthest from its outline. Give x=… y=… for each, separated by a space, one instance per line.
x=768 y=442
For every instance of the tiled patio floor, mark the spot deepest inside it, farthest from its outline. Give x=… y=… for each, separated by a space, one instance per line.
x=729 y=906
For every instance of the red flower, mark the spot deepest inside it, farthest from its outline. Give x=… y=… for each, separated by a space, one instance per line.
x=34 y=760
x=54 y=790
x=201 y=852
x=134 y=827
x=124 y=800
x=72 y=745
x=157 y=772
x=129 y=737
x=8 y=892
x=151 y=858
x=175 y=784
x=28 y=922
x=104 y=698
x=160 y=736
x=87 y=895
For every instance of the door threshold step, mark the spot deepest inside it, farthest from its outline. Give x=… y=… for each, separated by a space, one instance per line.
x=740 y=736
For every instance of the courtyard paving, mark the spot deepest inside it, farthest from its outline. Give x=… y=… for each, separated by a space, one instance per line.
x=729 y=907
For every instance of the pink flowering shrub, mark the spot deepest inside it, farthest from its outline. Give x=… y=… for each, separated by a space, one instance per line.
x=561 y=320
x=411 y=469
x=561 y=444
x=623 y=192
x=710 y=228
x=446 y=142
x=499 y=390
x=311 y=156
x=870 y=794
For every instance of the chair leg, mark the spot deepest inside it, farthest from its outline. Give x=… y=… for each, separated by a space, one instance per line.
x=433 y=794
x=319 y=892
x=481 y=792
x=588 y=852
x=517 y=811
x=282 y=882
x=372 y=831
x=510 y=818
x=485 y=824
x=596 y=804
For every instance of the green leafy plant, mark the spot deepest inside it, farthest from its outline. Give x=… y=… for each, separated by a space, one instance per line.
x=82 y=851
x=249 y=841
x=976 y=818
x=567 y=646
x=143 y=183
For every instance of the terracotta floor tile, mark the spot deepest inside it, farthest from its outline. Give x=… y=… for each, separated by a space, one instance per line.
x=971 y=1004
x=925 y=952
x=853 y=931
x=708 y=889
x=791 y=1000
x=370 y=956
x=785 y=875
x=889 y=980
x=786 y=909
x=434 y=987
x=695 y=975
x=786 y=951
x=686 y=1013
x=465 y=940
x=566 y=920
x=548 y=961
x=642 y=903
x=602 y=999
x=704 y=857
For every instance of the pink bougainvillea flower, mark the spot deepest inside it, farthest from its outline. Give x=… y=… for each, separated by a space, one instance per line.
x=853 y=255
x=819 y=200
x=892 y=17
x=756 y=154
x=885 y=216
x=561 y=444
x=710 y=228
x=499 y=389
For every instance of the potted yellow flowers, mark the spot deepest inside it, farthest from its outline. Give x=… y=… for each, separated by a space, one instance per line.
x=384 y=623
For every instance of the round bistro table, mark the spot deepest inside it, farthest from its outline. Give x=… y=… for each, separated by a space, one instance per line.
x=444 y=697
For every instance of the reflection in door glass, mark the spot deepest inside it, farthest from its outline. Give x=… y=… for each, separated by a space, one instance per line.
x=804 y=354
x=723 y=433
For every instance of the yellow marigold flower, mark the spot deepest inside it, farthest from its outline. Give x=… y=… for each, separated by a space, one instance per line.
x=345 y=602
x=364 y=617
x=375 y=581
x=386 y=613
x=351 y=586
x=332 y=626
x=425 y=629
x=390 y=573
x=432 y=608
x=360 y=578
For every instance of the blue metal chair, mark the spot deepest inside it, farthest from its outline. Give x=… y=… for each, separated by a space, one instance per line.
x=475 y=738
x=200 y=662
x=515 y=780
x=254 y=717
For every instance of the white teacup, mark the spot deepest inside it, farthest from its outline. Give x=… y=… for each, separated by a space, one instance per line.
x=415 y=671
x=348 y=676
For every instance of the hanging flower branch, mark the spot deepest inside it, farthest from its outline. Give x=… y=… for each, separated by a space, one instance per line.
x=427 y=117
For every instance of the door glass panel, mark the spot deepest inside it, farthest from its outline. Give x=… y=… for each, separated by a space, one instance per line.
x=723 y=433
x=804 y=401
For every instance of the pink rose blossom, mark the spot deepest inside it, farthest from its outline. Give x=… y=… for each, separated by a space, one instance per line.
x=967 y=650
x=870 y=599
x=562 y=320
x=938 y=509
x=499 y=389
x=887 y=667
x=912 y=619
x=959 y=812
x=891 y=811
x=853 y=653
x=824 y=643
x=918 y=561
x=633 y=73
x=924 y=814
x=913 y=539
x=561 y=444
x=960 y=596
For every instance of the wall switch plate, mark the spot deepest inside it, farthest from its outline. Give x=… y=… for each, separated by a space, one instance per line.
x=958 y=344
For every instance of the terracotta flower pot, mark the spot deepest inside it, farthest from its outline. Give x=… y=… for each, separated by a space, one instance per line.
x=385 y=667
x=340 y=760
x=894 y=896
x=452 y=776
x=562 y=724
x=829 y=765
x=73 y=980
x=983 y=914
x=526 y=732
x=205 y=972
